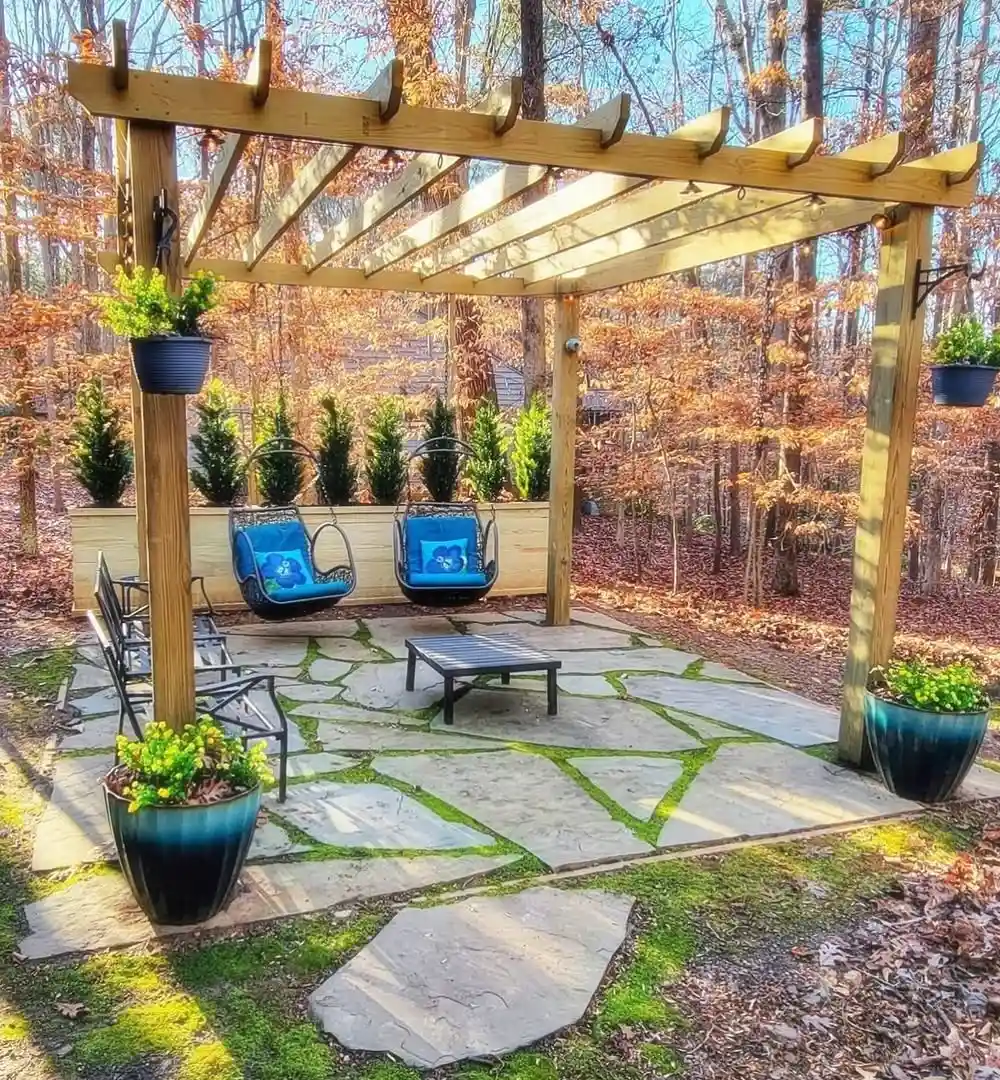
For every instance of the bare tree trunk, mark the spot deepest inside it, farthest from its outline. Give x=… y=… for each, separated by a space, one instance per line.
x=991 y=506
x=533 y=108
x=716 y=508
x=735 y=538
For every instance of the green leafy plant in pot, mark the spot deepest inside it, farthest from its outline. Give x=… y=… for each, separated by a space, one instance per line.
x=169 y=351
x=966 y=363
x=925 y=725
x=183 y=807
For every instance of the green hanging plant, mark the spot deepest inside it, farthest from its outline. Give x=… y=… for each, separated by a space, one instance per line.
x=964 y=342
x=531 y=453
x=487 y=468
x=338 y=475
x=385 y=464
x=144 y=308
x=100 y=453
x=218 y=474
x=440 y=467
x=279 y=476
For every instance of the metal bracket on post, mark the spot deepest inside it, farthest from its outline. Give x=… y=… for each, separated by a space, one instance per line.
x=126 y=225
x=928 y=278
x=165 y=225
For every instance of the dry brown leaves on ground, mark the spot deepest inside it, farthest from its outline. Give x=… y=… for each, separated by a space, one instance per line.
x=912 y=993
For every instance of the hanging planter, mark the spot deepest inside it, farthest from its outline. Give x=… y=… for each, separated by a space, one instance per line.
x=169 y=353
x=183 y=807
x=925 y=726
x=967 y=363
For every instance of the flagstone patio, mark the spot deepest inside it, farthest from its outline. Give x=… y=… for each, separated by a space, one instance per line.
x=652 y=749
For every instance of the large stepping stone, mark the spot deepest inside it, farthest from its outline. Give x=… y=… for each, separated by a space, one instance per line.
x=363 y=737
x=300 y=628
x=652 y=659
x=74 y=826
x=325 y=670
x=383 y=686
x=475 y=979
x=276 y=651
x=270 y=841
x=483 y=618
x=89 y=677
x=711 y=670
x=981 y=783
x=302 y=691
x=599 y=618
x=586 y=685
x=99 y=912
x=371 y=816
x=301 y=766
x=637 y=784
x=766 y=789
x=95 y=734
x=587 y=723
x=564 y=638
x=344 y=649
x=390 y=634
x=775 y=713
x=98 y=704
x=337 y=710
x=524 y=797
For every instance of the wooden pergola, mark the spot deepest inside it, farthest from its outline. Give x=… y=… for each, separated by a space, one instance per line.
x=635 y=207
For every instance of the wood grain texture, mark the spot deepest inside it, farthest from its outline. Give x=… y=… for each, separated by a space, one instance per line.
x=565 y=395
x=152 y=168
x=521 y=527
x=897 y=341
x=297 y=114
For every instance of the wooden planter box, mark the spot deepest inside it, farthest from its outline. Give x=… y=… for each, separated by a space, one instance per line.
x=522 y=528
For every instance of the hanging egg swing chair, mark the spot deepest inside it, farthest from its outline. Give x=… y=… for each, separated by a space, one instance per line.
x=443 y=553
x=274 y=557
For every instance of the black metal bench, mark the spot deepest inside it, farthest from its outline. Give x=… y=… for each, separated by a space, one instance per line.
x=456 y=655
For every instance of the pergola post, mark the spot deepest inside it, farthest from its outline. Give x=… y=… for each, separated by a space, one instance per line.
x=565 y=391
x=897 y=340
x=124 y=255
x=152 y=166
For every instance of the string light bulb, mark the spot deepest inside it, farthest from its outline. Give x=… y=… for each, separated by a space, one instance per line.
x=816 y=204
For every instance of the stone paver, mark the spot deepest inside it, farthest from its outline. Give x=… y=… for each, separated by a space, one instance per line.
x=303 y=765
x=599 y=618
x=764 y=789
x=89 y=677
x=383 y=686
x=565 y=638
x=587 y=723
x=711 y=670
x=268 y=652
x=74 y=825
x=776 y=713
x=98 y=704
x=479 y=978
x=526 y=798
x=371 y=816
x=270 y=841
x=981 y=783
x=96 y=734
x=483 y=618
x=325 y=670
x=637 y=784
x=362 y=737
x=653 y=659
x=300 y=628
x=337 y=710
x=303 y=691
x=391 y=633
x=707 y=729
x=586 y=685
x=339 y=648
x=99 y=912
x=536 y=618
x=91 y=654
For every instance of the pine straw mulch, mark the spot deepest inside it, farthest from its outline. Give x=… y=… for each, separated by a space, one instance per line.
x=912 y=992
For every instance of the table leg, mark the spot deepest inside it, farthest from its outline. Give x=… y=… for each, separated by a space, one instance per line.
x=411 y=668
x=449 y=699
x=505 y=678
x=553 y=690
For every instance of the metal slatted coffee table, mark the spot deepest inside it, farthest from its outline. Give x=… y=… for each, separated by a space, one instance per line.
x=456 y=655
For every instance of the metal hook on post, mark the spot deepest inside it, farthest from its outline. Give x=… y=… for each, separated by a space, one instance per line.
x=165 y=223
x=930 y=277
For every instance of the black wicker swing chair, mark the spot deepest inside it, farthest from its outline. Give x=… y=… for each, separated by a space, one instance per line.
x=273 y=554
x=443 y=553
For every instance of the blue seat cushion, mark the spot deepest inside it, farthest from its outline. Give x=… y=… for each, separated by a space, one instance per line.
x=258 y=540
x=311 y=590
x=467 y=579
x=447 y=529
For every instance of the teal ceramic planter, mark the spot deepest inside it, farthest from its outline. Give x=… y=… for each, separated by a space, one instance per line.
x=182 y=862
x=920 y=755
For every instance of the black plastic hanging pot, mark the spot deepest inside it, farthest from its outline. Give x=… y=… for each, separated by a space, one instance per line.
x=962 y=385
x=171 y=365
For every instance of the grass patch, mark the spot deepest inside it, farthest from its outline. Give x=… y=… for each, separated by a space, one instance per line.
x=38 y=673
x=166 y=1027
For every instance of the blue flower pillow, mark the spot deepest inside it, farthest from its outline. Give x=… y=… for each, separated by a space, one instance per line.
x=283 y=570
x=444 y=556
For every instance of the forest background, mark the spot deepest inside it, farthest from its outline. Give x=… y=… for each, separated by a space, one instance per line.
x=725 y=453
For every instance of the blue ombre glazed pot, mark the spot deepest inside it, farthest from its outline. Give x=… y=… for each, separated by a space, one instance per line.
x=921 y=755
x=182 y=862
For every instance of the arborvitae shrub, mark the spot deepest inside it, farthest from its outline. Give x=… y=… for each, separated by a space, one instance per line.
x=338 y=475
x=531 y=455
x=100 y=453
x=385 y=464
x=218 y=473
x=279 y=476
x=440 y=467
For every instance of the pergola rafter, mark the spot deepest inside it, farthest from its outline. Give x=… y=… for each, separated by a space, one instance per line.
x=645 y=206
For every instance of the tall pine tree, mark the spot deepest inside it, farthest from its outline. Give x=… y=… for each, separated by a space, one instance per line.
x=100 y=452
x=531 y=456
x=385 y=465
x=279 y=475
x=487 y=469
x=218 y=474
x=338 y=475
